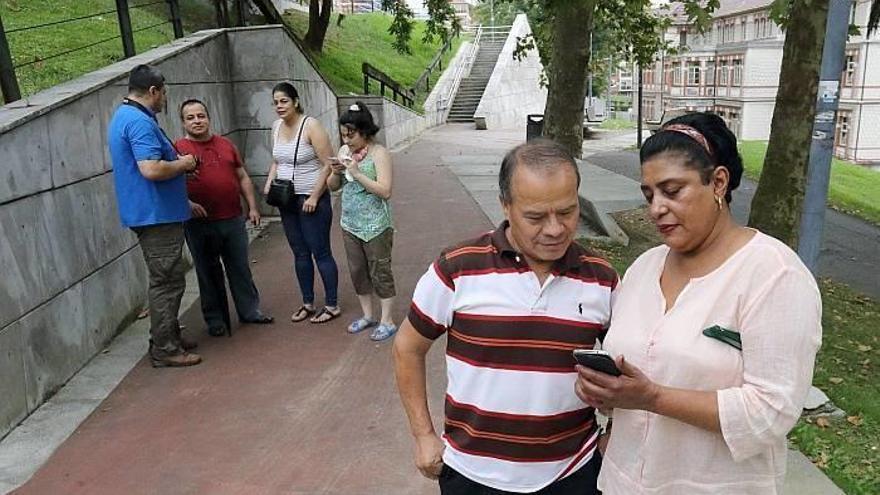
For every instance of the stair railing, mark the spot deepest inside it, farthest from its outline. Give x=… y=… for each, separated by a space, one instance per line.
x=444 y=101
x=496 y=33
x=437 y=62
x=386 y=81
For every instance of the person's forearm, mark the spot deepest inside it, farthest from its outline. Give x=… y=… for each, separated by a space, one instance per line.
x=334 y=181
x=373 y=187
x=409 y=369
x=273 y=170
x=694 y=407
x=247 y=190
x=159 y=170
x=321 y=183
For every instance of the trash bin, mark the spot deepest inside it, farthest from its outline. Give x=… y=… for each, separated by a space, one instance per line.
x=534 y=126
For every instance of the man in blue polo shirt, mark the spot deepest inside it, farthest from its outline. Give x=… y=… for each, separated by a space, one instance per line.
x=152 y=201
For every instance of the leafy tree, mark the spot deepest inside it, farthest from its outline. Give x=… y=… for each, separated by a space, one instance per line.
x=776 y=207
x=620 y=29
x=442 y=22
x=319 y=20
x=628 y=27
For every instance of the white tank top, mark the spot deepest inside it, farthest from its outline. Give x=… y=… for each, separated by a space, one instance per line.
x=305 y=173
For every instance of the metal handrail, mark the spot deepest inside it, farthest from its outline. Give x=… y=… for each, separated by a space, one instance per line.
x=425 y=77
x=462 y=71
x=386 y=81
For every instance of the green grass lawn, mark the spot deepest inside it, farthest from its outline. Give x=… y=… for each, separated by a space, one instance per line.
x=854 y=189
x=365 y=38
x=39 y=44
x=617 y=124
x=846 y=449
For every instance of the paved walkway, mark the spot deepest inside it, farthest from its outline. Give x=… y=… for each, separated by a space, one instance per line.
x=292 y=408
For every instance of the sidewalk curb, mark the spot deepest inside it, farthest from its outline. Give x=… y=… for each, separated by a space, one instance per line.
x=33 y=441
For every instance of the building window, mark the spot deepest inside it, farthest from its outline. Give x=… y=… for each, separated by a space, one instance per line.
x=742 y=29
x=737 y=72
x=710 y=73
x=683 y=38
x=693 y=73
x=723 y=73
x=841 y=135
x=761 y=28
x=849 y=68
x=676 y=74
x=730 y=116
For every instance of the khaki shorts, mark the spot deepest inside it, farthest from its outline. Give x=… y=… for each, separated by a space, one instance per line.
x=369 y=263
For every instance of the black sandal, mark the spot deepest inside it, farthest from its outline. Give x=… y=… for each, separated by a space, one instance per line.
x=302 y=313
x=326 y=315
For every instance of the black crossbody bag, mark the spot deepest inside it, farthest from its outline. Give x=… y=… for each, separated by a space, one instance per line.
x=281 y=191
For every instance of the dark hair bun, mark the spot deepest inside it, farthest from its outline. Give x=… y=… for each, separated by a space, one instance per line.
x=359 y=117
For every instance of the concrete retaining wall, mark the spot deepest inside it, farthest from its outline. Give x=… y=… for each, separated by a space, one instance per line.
x=72 y=276
x=513 y=91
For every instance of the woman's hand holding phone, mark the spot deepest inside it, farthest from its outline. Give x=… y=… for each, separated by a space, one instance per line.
x=599 y=387
x=337 y=165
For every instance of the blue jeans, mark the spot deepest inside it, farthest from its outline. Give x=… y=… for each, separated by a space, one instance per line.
x=309 y=237
x=226 y=240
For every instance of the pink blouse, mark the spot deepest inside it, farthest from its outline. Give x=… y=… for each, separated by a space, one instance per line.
x=765 y=293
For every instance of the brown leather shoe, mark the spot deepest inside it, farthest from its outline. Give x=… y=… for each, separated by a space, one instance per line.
x=176 y=361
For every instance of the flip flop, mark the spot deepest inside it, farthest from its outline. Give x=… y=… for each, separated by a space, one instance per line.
x=361 y=324
x=326 y=315
x=302 y=313
x=383 y=331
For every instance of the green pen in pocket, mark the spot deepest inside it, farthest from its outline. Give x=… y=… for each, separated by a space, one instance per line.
x=729 y=337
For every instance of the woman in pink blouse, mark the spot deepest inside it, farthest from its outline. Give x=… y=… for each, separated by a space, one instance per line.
x=715 y=332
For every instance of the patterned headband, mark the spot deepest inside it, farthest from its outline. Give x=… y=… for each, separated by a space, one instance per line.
x=691 y=133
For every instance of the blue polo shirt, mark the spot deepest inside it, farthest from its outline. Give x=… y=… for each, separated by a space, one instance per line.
x=134 y=135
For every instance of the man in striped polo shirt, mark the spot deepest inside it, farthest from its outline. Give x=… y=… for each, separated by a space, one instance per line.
x=513 y=303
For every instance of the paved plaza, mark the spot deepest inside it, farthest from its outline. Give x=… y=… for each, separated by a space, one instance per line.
x=286 y=408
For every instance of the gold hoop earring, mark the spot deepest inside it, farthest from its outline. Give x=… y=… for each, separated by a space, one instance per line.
x=719 y=202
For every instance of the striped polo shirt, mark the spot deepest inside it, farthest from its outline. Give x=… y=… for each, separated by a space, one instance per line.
x=513 y=421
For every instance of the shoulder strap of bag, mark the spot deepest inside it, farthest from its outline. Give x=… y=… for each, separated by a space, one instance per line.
x=298 y=137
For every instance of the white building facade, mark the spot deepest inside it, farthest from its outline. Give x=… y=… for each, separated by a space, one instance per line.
x=733 y=70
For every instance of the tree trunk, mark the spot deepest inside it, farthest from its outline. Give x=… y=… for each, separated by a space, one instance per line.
x=222 y=13
x=269 y=12
x=776 y=207
x=567 y=75
x=319 y=19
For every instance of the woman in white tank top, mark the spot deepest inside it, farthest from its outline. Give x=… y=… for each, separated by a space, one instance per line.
x=300 y=153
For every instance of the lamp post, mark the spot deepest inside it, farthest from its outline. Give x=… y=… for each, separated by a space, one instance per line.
x=821 y=147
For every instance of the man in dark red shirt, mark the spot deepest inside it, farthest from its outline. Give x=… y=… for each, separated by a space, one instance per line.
x=217 y=229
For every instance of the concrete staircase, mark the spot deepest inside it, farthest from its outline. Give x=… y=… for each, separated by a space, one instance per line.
x=471 y=89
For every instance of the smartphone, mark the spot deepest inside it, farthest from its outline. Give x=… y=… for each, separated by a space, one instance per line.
x=597 y=360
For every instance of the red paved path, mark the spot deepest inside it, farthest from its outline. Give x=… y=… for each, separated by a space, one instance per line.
x=288 y=408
